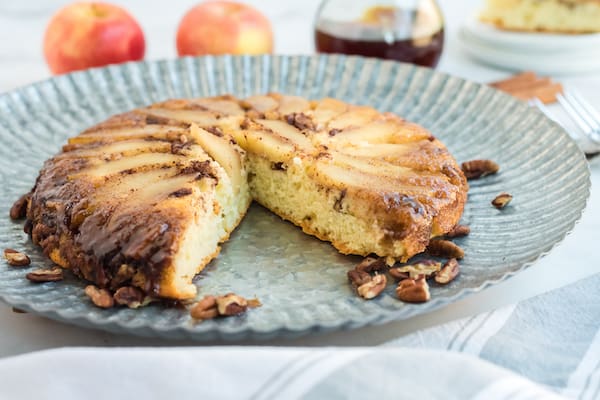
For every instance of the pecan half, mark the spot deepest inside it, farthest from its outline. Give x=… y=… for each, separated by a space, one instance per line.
x=19 y=207
x=475 y=169
x=371 y=264
x=502 y=200
x=231 y=304
x=373 y=288
x=458 y=230
x=100 y=297
x=16 y=258
x=45 y=275
x=18 y=311
x=358 y=278
x=444 y=248
x=422 y=267
x=449 y=271
x=254 y=303
x=398 y=275
x=205 y=308
x=129 y=296
x=413 y=290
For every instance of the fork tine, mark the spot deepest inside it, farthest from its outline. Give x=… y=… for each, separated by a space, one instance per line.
x=583 y=112
x=542 y=107
x=585 y=105
x=574 y=115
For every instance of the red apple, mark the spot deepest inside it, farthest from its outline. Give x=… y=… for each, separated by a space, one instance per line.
x=84 y=35
x=224 y=27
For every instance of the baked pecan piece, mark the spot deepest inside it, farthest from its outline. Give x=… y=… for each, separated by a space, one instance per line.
x=16 y=258
x=129 y=296
x=231 y=304
x=19 y=208
x=413 y=290
x=458 y=231
x=417 y=268
x=398 y=275
x=45 y=275
x=100 y=297
x=205 y=308
x=300 y=121
x=449 y=271
x=371 y=264
x=358 y=278
x=502 y=200
x=444 y=248
x=475 y=169
x=373 y=288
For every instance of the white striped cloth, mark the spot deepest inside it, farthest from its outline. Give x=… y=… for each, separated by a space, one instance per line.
x=547 y=347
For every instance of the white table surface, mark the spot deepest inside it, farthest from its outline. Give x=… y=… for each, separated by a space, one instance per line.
x=22 y=25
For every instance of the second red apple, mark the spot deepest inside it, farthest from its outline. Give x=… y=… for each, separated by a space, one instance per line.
x=224 y=27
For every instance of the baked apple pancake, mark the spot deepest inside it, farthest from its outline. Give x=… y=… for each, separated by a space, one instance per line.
x=146 y=197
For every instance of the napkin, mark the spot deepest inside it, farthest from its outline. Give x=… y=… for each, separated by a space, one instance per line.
x=258 y=373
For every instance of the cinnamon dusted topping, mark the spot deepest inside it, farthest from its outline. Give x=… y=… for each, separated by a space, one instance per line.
x=16 y=259
x=100 y=297
x=445 y=248
x=476 y=169
x=45 y=275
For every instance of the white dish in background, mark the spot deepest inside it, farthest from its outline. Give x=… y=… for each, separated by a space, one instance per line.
x=545 y=53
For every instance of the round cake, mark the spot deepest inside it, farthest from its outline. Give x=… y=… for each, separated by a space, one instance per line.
x=146 y=197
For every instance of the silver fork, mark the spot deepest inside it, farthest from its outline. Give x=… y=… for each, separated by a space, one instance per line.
x=582 y=113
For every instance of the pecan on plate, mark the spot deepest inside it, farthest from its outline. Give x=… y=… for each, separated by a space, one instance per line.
x=231 y=304
x=417 y=268
x=100 y=297
x=413 y=290
x=475 y=169
x=371 y=264
x=458 y=231
x=444 y=248
x=205 y=308
x=502 y=200
x=358 y=278
x=45 y=275
x=449 y=271
x=19 y=208
x=129 y=296
x=373 y=288
x=16 y=258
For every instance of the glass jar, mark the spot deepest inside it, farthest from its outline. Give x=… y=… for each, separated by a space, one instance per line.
x=403 y=30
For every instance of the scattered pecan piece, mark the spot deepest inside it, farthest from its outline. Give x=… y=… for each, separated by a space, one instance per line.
x=231 y=304
x=129 y=296
x=422 y=267
x=205 y=308
x=475 y=169
x=398 y=275
x=18 y=311
x=16 y=258
x=358 y=278
x=45 y=275
x=445 y=248
x=371 y=264
x=19 y=208
x=373 y=288
x=458 y=230
x=413 y=290
x=254 y=303
x=449 y=271
x=100 y=297
x=502 y=200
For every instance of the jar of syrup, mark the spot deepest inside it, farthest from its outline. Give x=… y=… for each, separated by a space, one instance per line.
x=403 y=30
